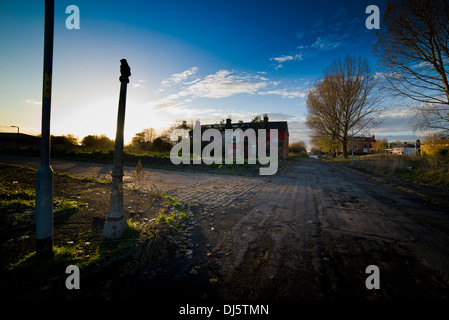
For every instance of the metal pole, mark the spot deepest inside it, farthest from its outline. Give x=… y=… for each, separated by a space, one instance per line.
x=115 y=223
x=352 y=133
x=44 y=181
x=389 y=150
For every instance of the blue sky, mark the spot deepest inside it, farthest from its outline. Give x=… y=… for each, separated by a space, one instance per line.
x=189 y=60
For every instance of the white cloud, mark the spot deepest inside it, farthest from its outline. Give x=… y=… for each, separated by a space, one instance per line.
x=139 y=84
x=284 y=93
x=165 y=105
x=284 y=58
x=179 y=77
x=32 y=101
x=328 y=43
x=397 y=113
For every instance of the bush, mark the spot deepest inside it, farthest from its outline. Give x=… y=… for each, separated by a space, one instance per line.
x=435 y=146
x=297 y=147
x=98 y=142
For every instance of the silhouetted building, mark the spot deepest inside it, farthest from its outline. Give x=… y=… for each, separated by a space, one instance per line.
x=9 y=139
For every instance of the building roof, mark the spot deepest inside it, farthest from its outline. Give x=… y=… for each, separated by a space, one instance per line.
x=363 y=138
x=280 y=125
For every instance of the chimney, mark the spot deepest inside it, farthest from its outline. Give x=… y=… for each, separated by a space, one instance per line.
x=228 y=123
x=265 y=118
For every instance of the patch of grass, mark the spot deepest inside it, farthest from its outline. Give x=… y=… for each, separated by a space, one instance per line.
x=297 y=156
x=83 y=179
x=62 y=206
x=16 y=201
x=16 y=194
x=160 y=237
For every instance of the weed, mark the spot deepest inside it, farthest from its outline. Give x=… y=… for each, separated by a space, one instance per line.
x=160 y=237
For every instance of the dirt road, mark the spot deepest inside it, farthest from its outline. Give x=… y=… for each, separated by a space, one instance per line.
x=308 y=232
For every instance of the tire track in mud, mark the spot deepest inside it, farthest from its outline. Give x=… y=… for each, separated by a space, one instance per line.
x=217 y=192
x=311 y=231
x=272 y=251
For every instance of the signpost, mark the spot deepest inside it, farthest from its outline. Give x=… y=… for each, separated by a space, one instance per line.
x=44 y=181
x=115 y=223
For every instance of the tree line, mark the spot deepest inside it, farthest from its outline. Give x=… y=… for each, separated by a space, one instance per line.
x=147 y=139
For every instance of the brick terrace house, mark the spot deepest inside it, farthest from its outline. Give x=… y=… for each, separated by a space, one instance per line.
x=281 y=126
x=364 y=144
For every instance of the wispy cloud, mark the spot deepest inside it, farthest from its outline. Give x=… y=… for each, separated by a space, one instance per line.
x=165 y=105
x=328 y=43
x=287 y=58
x=179 y=77
x=280 y=60
x=139 y=84
x=326 y=34
x=285 y=93
x=221 y=84
x=32 y=101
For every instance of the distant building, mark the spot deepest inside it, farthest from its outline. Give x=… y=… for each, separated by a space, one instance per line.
x=363 y=144
x=281 y=126
x=408 y=149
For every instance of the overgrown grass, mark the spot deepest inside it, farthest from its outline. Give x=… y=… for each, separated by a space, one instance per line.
x=432 y=170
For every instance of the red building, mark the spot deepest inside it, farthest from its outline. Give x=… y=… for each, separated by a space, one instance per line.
x=364 y=144
x=281 y=126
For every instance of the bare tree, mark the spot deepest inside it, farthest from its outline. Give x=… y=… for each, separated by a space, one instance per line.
x=144 y=139
x=345 y=100
x=412 y=48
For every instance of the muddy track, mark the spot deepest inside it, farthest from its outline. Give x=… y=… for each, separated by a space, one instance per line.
x=308 y=232
x=311 y=231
